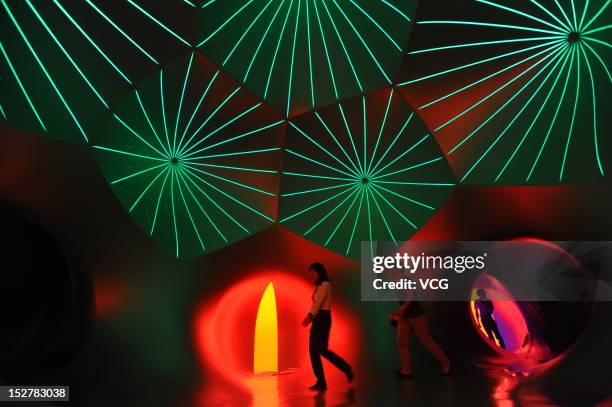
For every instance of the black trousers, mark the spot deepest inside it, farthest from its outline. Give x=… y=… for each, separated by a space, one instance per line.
x=490 y=328
x=318 y=346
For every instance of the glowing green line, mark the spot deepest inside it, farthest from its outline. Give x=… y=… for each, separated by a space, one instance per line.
x=180 y=107
x=375 y=189
x=384 y=218
x=400 y=12
x=414 y=201
x=343 y=217
x=382 y=126
x=245 y=152
x=350 y=136
x=601 y=10
x=92 y=42
x=490 y=3
x=295 y=32
x=312 y=98
x=130 y=154
x=367 y=195
x=490 y=25
x=190 y=3
x=533 y=122
x=595 y=139
x=163 y=109
x=297 y=174
x=138 y=173
x=535 y=163
x=159 y=23
x=496 y=91
x=516 y=117
x=161 y=192
x=244 y=34
x=312 y=160
x=514 y=96
x=594 y=30
x=331 y=19
x=229 y=181
x=172 y=170
x=188 y=175
x=226 y=22
x=232 y=198
x=229 y=140
x=390 y=146
x=23 y=90
x=482 y=61
x=482 y=43
x=569 y=23
x=329 y=213
x=603 y=64
x=385 y=33
x=42 y=66
x=482 y=79
x=61 y=47
x=348 y=246
x=365 y=44
x=263 y=37
x=184 y=175
x=195 y=111
x=143 y=193
x=574 y=15
x=607 y=44
x=208 y=3
x=329 y=64
x=229 y=167
x=280 y=37
x=571 y=129
x=422 y=184
x=375 y=172
x=144 y=112
x=2 y=111
x=584 y=11
x=412 y=167
x=218 y=129
x=309 y=191
x=137 y=135
x=116 y=27
x=567 y=27
x=326 y=151
x=316 y=205
x=354 y=170
x=365 y=134
x=195 y=228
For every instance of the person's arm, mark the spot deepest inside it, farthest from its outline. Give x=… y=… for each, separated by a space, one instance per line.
x=319 y=297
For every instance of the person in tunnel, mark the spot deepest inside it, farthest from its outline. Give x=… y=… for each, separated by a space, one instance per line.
x=320 y=317
x=485 y=308
x=411 y=318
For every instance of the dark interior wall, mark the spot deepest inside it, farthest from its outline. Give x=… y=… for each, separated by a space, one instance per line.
x=147 y=342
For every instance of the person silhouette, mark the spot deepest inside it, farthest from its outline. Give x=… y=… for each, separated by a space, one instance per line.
x=484 y=307
x=320 y=317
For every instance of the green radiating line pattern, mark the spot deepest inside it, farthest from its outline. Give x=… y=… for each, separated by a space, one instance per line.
x=64 y=65
x=364 y=169
x=301 y=54
x=527 y=95
x=193 y=157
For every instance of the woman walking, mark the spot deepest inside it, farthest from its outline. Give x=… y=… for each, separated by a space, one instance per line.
x=320 y=317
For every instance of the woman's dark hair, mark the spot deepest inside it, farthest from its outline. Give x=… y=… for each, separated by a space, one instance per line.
x=321 y=272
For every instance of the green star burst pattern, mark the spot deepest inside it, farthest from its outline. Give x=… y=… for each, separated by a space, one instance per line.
x=528 y=104
x=300 y=54
x=363 y=169
x=64 y=65
x=193 y=157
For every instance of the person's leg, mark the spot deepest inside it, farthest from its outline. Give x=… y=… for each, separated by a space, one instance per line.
x=316 y=344
x=497 y=334
x=404 y=334
x=421 y=329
